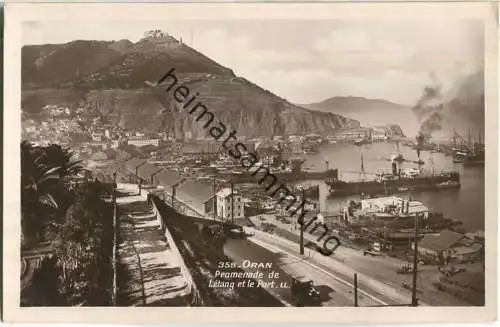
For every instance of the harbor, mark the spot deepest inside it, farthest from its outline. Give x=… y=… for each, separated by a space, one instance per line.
x=464 y=204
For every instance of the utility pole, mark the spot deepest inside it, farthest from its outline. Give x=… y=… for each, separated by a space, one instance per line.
x=355 y=289
x=414 y=300
x=214 y=200
x=302 y=223
x=483 y=257
x=137 y=176
x=115 y=213
x=232 y=203
x=172 y=195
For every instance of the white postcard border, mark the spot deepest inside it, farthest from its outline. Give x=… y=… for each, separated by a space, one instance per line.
x=16 y=13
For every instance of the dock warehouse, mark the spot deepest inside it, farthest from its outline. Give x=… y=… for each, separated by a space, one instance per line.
x=449 y=245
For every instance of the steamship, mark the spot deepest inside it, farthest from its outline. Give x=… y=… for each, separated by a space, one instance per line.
x=394 y=182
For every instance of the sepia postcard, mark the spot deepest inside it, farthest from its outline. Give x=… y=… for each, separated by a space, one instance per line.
x=244 y=162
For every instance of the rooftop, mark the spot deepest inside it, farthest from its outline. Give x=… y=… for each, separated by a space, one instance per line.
x=145 y=171
x=445 y=240
x=135 y=138
x=167 y=178
x=99 y=156
x=225 y=192
x=383 y=202
x=133 y=163
x=417 y=207
x=195 y=191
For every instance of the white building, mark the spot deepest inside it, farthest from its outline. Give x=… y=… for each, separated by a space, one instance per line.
x=379 y=134
x=224 y=204
x=395 y=204
x=97 y=137
x=141 y=141
x=376 y=205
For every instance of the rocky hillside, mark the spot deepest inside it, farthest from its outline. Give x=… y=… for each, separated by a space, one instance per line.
x=110 y=77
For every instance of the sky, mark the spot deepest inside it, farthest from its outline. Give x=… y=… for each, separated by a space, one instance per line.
x=308 y=61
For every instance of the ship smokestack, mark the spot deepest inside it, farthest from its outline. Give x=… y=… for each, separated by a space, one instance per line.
x=394 y=168
x=420 y=143
x=335 y=174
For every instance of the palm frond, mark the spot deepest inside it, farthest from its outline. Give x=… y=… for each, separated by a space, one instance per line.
x=48 y=200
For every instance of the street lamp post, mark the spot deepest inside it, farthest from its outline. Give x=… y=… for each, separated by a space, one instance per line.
x=214 y=203
x=301 y=222
x=355 y=289
x=232 y=203
x=414 y=300
x=114 y=240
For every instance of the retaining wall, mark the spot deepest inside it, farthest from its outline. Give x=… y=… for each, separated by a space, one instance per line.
x=195 y=298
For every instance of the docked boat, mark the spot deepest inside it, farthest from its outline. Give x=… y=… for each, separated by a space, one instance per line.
x=469 y=153
x=459 y=156
x=475 y=158
x=390 y=183
x=469 y=158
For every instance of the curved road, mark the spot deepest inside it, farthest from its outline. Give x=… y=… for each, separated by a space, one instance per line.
x=333 y=291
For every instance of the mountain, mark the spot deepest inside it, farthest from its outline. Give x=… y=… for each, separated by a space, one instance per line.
x=370 y=112
x=111 y=76
x=352 y=104
x=52 y=64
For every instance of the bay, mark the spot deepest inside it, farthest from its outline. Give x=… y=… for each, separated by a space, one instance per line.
x=465 y=204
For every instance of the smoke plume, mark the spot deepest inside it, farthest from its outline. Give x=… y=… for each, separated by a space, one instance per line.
x=429 y=107
x=429 y=110
x=460 y=108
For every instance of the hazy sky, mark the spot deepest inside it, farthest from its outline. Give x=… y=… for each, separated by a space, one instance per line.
x=310 y=60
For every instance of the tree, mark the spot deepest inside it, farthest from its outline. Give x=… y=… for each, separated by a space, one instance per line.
x=37 y=185
x=43 y=289
x=83 y=247
x=82 y=243
x=57 y=156
x=46 y=186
